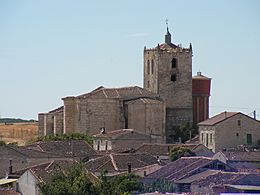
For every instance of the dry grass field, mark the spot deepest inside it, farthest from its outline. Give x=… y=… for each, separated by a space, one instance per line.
x=18 y=132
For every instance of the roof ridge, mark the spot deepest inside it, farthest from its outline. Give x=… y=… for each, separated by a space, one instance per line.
x=113 y=162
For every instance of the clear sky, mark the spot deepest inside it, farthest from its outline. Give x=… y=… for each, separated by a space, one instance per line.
x=56 y=48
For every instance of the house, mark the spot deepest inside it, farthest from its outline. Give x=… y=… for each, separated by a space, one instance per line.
x=32 y=176
x=241 y=160
x=67 y=148
x=228 y=130
x=215 y=182
x=162 y=151
x=13 y=158
x=119 y=163
x=120 y=140
x=186 y=167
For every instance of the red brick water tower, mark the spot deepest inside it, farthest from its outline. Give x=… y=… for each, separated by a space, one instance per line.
x=200 y=96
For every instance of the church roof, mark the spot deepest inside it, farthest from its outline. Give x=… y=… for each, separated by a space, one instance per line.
x=123 y=92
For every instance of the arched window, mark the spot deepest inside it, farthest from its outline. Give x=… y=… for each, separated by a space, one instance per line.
x=148 y=67
x=152 y=66
x=174 y=63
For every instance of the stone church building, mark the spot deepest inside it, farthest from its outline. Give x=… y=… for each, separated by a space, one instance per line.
x=165 y=102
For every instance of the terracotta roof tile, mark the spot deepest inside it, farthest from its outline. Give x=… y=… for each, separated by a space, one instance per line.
x=181 y=168
x=218 y=118
x=119 y=162
x=123 y=92
x=76 y=148
x=162 y=149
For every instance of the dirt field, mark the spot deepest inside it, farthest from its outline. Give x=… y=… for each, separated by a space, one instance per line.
x=18 y=132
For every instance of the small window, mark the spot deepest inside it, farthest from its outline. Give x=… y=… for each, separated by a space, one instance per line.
x=173 y=77
x=106 y=144
x=207 y=139
x=148 y=84
x=152 y=66
x=148 y=67
x=174 y=63
x=237 y=134
x=210 y=138
x=249 y=139
x=202 y=138
x=238 y=122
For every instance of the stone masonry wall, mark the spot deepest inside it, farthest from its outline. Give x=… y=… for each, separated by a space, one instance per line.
x=147 y=117
x=89 y=115
x=58 y=123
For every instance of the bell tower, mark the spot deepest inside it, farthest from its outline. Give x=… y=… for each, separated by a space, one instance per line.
x=168 y=72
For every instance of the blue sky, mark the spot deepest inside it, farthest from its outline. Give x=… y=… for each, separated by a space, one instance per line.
x=52 y=49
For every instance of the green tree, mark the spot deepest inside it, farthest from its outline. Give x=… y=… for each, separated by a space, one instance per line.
x=185 y=132
x=71 y=136
x=72 y=182
x=120 y=185
x=179 y=152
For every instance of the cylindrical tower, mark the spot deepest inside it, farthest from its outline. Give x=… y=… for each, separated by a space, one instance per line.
x=200 y=96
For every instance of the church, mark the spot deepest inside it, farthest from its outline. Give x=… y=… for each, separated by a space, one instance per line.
x=169 y=98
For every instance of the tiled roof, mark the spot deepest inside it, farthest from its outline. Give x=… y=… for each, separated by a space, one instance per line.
x=114 y=133
x=44 y=171
x=76 y=148
x=180 y=168
x=242 y=155
x=145 y=100
x=119 y=132
x=119 y=162
x=8 y=192
x=199 y=76
x=124 y=92
x=23 y=157
x=57 y=110
x=220 y=178
x=218 y=118
x=162 y=149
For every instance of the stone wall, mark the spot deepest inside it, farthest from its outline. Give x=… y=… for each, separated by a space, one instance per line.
x=147 y=116
x=229 y=134
x=58 y=123
x=89 y=115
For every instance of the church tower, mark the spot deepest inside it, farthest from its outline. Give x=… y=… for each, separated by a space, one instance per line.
x=168 y=72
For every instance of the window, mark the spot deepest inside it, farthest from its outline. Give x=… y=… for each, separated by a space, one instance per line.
x=174 y=63
x=106 y=144
x=148 y=67
x=152 y=66
x=238 y=122
x=248 y=139
x=173 y=77
x=237 y=134
x=202 y=138
x=207 y=139
x=148 y=84
x=210 y=138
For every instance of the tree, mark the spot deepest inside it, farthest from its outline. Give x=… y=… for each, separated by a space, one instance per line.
x=71 y=136
x=179 y=152
x=72 y=182
x=185 y=132
x=121 y=185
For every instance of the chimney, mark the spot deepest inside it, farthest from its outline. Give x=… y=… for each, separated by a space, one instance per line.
x=11 y=167
x=254 y=114
x=225 y=114
x=129 y=167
